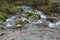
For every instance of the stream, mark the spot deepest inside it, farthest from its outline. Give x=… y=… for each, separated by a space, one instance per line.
x=11 y=21
x=30 y=27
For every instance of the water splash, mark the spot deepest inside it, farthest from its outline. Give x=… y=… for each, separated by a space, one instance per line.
x=42 y=15
x=10 y=22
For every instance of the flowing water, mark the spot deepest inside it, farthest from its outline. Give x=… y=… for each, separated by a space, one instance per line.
x=11 y=21
x=30 y=26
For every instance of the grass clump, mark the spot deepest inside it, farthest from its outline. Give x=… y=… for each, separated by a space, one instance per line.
x=14 y=10
x=3 y=17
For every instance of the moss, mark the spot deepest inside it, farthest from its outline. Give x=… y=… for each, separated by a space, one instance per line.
x=18 y=21
x=19 y=24
x=32 y=15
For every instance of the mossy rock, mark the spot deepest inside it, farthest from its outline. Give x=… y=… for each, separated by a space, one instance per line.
x=19 y=21
x=32 y=15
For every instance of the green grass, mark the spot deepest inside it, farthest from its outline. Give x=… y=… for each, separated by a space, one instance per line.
x=14 y=10
x=3 y=17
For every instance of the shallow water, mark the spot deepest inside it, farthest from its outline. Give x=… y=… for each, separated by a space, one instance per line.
x=11 y=21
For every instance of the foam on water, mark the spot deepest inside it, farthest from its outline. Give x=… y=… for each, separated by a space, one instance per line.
x=42 y=15
x=10 y=22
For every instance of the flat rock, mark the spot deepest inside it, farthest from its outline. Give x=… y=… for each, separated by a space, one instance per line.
x=41 y=33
